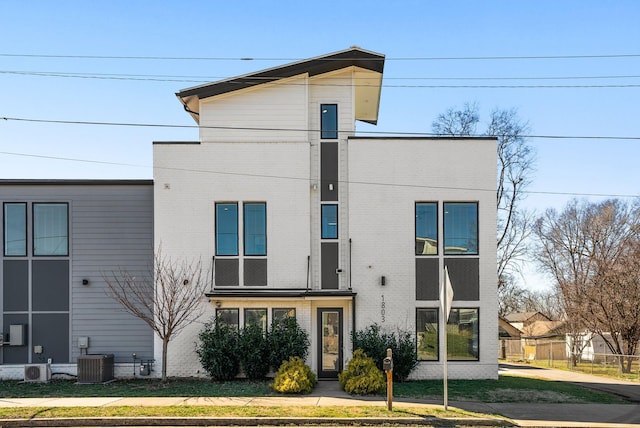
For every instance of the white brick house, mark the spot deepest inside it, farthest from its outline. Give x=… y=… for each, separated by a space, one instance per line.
x=299 y=215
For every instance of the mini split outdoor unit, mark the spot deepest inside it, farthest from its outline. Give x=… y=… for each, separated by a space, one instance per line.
x=37 y=373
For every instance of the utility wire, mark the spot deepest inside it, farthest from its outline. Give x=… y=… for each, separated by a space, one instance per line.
x=389 y=134
x=285 y=177
x=460 y=58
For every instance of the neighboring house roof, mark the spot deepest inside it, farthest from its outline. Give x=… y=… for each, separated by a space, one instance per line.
x=526 y=316
x=507 y=330
x=540 y=329
x=368 y=91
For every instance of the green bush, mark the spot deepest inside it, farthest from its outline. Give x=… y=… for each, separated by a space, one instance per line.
x=254 y=352
x=361 y=376
x=374 y=342
x=218 y=351
x=294 y=377
x=287 y=339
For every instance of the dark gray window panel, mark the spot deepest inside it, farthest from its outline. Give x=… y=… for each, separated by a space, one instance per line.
x=255 y=272
x=51 y=331
x=464 y=274
x=329 y=254
x=14 y=354
x=227 y=272
x=50 y=285
x=329 y=171
x=15 y=283
x=427 y=279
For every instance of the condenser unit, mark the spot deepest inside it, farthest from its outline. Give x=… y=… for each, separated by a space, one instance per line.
x=37 y=373
x=95 y=368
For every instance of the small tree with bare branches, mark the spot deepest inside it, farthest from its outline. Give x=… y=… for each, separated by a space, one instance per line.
x=167 y=298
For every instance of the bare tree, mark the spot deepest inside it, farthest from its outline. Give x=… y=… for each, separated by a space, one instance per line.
x=515 y=167
x=593 y=252
x=167 y=298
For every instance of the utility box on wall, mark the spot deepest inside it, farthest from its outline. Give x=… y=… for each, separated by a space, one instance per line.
x=17 y=335
x=95 y=368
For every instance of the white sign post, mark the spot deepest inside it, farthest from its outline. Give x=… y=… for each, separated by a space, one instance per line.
x=446 y=297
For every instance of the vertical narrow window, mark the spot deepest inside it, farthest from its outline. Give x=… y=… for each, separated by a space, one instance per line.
x=15 y=229
x=256 y=317
x=460 y=228
x=463 y=334
x=426 y=228
x=427 y=334
x=226 y=229
x=255 y=229
x=329 y=219
x=329 y=121
x=230 y=317
x=50 y=229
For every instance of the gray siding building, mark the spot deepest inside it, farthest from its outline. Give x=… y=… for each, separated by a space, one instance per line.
x=60 y=238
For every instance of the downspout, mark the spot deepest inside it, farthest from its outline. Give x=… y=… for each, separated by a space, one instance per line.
x=308 y=270
x=353 y=297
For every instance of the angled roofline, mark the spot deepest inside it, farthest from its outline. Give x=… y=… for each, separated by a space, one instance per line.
x=353 y=56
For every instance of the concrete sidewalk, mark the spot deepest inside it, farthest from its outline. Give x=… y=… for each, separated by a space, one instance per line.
x=327 y=393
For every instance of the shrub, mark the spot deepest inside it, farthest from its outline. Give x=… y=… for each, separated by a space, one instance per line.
x=361 y=376
x=253 y=352
x=374 y=342
x=294 y=377
x=218 y=350
x=287 y=339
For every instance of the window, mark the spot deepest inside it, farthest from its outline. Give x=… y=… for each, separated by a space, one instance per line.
x=329 y=221
x=460 y=228
x=426 y=228
x=256 y=317
x=279 y=314
x=255 y=229
x=15 y=229
x=50 y=229
x=226 y=229
x=462 y=334
x=427 y=334
x=329 y=121
x=230 y=317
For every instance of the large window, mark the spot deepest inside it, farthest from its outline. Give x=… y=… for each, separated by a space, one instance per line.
x=50 y=229
x=329 y=121
x=427 y=334
x=426 y=228
x=230 y=317
x=460 y=228
x=255 y=229
x=256 y=317
x=226 y=229
x=15 y=229
x=329 y=221
x=462 y=334
x=463 y=342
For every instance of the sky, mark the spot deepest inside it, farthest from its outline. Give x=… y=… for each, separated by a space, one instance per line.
x=569 y=68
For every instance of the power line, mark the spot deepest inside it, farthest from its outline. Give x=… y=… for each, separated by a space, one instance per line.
x=419 y=58
x=390 y=134
x=285 y=177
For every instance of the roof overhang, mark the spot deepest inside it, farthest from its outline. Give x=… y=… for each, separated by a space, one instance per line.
x=282 y=293
x=369 y=67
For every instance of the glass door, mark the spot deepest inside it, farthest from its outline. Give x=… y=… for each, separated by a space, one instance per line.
x=330 y=341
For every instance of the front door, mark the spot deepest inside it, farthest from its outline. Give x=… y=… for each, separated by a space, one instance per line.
x=330 y=340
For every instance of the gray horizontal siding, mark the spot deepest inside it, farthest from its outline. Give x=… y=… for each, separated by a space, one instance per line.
x=111 y=228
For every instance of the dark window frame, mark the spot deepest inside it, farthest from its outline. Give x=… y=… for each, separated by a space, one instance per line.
x=33 y=229
x=437 y=229
x=322 y=221
x=265 y=326
x=26 y=229
x=216 y=231
x=437 y=344
x=244 y=229
x=274 y=317
x=230 y=311
x=477 y=229
x=328 y=134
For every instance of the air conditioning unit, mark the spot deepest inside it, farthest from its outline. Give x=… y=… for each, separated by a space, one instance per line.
x=37 y=373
